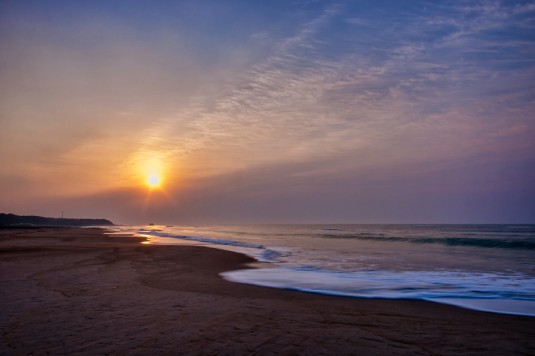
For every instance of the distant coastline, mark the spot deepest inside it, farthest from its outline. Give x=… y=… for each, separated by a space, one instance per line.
x=12 y=220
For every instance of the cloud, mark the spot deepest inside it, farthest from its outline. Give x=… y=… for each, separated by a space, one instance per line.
x=337 y=106
x=302 y=103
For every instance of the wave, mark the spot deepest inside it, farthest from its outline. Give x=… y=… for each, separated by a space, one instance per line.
x=262 y=253
x=525 y=244
x=203 y=239
x=511 y=294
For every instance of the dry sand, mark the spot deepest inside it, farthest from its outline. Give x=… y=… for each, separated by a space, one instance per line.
x=66 y=291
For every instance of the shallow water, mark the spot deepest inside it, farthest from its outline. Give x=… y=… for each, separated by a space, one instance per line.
x=484 y=267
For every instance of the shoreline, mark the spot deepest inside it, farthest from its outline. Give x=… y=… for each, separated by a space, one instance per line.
x=80 y=290
x=265 y=276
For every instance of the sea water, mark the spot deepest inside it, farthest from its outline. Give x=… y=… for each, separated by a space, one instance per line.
x=482 y=267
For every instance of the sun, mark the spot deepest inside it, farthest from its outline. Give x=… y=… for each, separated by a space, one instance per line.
x=154 y=181
x=152 y=172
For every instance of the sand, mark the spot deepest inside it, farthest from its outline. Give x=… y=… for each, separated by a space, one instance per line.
x=71 y=290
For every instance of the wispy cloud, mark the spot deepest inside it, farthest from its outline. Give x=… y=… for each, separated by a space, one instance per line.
x=301 y=104
x=341 y=100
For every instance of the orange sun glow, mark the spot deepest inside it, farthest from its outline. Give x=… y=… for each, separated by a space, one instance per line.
x=153 y=181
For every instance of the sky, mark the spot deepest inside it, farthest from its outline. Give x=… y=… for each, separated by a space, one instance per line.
x=268 y=111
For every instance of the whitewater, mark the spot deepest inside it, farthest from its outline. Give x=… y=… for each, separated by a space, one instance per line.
x=484 y=267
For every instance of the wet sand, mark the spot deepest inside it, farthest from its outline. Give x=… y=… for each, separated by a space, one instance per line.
x=71 y=290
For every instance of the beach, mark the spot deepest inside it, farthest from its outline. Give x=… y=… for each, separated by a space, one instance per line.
x=74 y=290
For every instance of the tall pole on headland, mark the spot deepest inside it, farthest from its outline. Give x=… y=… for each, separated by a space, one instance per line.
x=62 y=214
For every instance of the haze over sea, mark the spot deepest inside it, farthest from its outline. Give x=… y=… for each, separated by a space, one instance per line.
x=482 y=267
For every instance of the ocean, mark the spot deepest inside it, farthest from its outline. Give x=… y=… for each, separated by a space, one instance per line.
x=483 y=267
